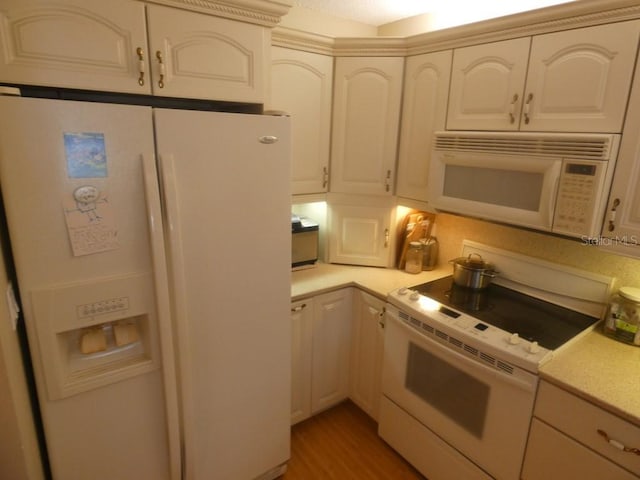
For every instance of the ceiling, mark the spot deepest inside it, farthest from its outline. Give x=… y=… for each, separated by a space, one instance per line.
x=380 y=12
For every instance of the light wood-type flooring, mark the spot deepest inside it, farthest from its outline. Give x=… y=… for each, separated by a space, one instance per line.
x=342 y=444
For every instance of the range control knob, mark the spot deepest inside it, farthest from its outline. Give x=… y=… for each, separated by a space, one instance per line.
x=414 y=296
x=403 y=291
x=534 y=347
x=514 y=339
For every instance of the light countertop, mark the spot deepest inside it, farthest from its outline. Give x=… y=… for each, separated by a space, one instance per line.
x=601 y=370
x=594 y=367
x=377 y=281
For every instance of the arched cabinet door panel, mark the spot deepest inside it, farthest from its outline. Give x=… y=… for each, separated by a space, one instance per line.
x=200 y=56
x=486 y=85
x=579 y=80
x=103 y=47
x=366 y=116
x=301 y=86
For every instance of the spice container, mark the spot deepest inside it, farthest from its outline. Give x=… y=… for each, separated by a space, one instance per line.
x=413 y=262
x=623 y=319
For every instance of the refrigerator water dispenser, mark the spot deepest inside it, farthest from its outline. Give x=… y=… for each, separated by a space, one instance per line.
x=96 y=333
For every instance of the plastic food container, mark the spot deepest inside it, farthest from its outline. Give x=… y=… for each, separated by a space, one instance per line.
x=623 y=319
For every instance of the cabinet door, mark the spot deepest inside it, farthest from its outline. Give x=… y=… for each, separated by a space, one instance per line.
x=366 y=113
x=487 y=82
x=331 y=347
x=360 y=232
x=366 y=353
x=579 y=80
x=426 y=89
x=551 y=454
x=301 y=85
x=86 y=44
x=199 y=56
x=621 y=227
x=301 y=335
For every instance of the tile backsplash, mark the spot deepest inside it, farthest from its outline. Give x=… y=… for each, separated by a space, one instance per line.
x=452 y=230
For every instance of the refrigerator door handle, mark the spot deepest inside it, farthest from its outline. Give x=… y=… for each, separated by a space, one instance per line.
x=178 y=293
x=154 y=217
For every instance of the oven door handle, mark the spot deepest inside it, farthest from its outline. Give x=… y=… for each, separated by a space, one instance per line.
x=524 y=380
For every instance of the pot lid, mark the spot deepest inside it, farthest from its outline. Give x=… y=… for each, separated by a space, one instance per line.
x=474 y=261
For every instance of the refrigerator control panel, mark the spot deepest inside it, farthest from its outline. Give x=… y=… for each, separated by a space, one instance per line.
x=111 y=305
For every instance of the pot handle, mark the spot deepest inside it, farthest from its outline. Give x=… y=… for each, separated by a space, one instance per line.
x=478 y=261
x=492 y=274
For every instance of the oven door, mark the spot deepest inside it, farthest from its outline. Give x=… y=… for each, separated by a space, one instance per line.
x=482 y=412
x=516 y=189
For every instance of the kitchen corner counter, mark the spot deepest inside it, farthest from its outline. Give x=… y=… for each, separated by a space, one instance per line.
x=600 y=370
x=377 y=281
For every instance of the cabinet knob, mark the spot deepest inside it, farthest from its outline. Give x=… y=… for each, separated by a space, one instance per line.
x=141 y=66
x=325 y=177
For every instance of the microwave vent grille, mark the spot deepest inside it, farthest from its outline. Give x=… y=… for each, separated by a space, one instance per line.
x=596 y=147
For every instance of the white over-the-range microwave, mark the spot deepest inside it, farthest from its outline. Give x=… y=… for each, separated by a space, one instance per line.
x=553 y=182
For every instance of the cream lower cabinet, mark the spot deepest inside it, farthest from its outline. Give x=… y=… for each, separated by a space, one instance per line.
x=574 y=439
x=321 y=351
x=424 y=111
x=366 y=115
x=301 y=86
x=367 y=343
x=301 y=342
x=576 y=81
x=97 y=45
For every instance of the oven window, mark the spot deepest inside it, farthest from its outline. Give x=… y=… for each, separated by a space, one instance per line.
x=509 y=188
x=454 y=393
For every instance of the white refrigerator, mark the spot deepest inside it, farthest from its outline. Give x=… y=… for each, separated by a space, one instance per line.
x=152 y=253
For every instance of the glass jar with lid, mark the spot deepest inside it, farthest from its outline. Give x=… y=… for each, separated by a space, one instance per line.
x=623 y=318
x=413 y=263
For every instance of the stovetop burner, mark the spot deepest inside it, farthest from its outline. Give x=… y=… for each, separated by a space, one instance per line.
x=531 y=318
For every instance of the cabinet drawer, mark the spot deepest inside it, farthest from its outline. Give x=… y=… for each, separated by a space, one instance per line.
x=551 y=454
x=582 y=420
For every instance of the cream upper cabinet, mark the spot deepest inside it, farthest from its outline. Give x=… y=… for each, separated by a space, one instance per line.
x=366 y=114
x=621 y=227
x=301 y=86
x=360 y=229
x=424 y=111
x=97 y=45
x=577 y=81
x=88 y=44
x=199 y=56
x=486 y=85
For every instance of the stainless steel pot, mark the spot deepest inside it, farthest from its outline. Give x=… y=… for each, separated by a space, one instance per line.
x=472 y=271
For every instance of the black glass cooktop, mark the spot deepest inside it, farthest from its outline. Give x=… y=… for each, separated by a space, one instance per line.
x=532 y=319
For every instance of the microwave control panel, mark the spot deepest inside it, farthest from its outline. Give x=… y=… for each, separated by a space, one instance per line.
x=578 y=199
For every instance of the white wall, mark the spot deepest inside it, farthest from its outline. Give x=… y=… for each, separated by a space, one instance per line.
x=300 y=18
